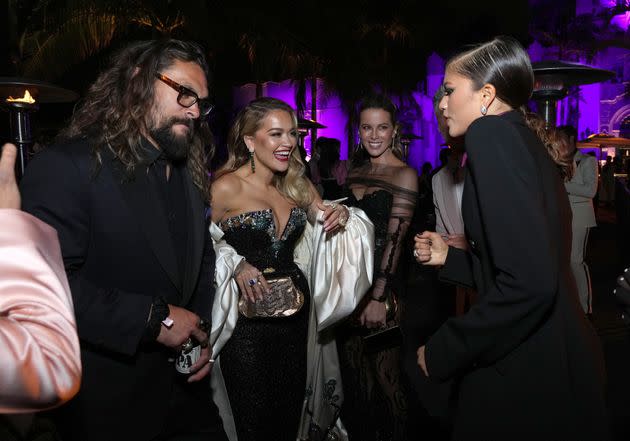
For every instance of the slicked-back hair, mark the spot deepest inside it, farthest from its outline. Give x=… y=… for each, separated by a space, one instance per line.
x=504 y=63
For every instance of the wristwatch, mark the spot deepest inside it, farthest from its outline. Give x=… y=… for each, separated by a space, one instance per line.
x=159 y=317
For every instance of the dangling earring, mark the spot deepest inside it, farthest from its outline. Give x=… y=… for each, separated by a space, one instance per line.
x=251 y=161
x=484 y=110
x=391 y=146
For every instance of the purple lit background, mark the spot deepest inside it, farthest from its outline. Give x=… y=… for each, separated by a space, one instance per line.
x=595 y=108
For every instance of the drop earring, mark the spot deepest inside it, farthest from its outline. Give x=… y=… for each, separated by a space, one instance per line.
x=251 y=161
x=484 y=110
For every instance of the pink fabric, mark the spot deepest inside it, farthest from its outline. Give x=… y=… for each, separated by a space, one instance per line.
x=40 y=364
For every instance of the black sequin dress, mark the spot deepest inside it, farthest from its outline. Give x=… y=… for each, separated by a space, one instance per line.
x=264 y=361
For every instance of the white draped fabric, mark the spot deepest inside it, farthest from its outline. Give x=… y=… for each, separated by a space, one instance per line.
x=339 y=269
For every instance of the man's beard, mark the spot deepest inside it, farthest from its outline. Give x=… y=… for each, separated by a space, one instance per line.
x=174 y=147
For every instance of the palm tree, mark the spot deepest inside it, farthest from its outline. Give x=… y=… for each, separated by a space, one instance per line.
x=62 y=34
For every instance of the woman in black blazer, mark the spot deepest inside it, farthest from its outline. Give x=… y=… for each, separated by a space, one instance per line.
x=527 y=363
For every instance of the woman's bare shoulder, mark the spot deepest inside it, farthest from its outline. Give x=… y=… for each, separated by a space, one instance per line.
x=224 y=191
x=227 y=183
x=406 y=177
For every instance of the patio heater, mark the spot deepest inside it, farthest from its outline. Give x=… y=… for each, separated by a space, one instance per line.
x=405 y=140
x=306 y=127
x=21 y=97
x=552 y=80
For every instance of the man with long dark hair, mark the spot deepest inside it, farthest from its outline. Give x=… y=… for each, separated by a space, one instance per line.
x=126 y=189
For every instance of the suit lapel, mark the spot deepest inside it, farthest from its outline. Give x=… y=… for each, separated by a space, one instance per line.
x=195 y=242
x=143 y=202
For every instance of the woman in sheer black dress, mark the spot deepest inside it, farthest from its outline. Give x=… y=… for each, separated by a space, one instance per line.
x=383 y=186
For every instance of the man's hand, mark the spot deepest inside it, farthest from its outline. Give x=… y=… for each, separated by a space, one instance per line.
x=185 y=325
x=202 y=367
x=9 y=193
x=422 y=362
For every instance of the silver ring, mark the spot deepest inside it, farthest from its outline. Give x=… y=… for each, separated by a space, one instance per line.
x=343 y=221
x=188 y=345
x=252 y=282
x=203 y=325
x=415 y=253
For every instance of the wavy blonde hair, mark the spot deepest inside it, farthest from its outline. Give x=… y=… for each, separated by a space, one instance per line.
x=293 y=183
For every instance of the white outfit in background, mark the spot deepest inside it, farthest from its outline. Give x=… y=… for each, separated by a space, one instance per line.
x=581 y=189
x=447 y=199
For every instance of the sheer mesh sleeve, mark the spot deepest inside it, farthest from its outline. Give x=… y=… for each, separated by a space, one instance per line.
x=391 y=219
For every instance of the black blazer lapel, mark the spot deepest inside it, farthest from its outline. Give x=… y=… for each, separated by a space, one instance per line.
x=196 y=237
x=143 y=202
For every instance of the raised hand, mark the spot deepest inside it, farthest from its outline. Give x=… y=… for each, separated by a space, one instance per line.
x=430 y=248
x=9 y=193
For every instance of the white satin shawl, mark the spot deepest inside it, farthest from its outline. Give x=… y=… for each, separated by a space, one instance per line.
x=40 y=366
x=339 y=270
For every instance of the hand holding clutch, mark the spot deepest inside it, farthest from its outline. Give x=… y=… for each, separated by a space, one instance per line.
x=283 y=300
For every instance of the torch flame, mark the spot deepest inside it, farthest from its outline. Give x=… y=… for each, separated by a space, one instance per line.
x=27 y=98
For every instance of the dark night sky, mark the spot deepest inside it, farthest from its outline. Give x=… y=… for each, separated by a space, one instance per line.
x=347 y=36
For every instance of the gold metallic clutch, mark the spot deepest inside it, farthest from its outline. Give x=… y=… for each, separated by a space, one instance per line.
x=284 y=300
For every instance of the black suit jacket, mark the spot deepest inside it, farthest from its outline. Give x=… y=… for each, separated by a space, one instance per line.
x=118 y=255
x=529 y=362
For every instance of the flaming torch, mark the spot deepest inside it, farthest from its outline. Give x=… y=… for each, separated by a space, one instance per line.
x=20 y=121
x=32 y=93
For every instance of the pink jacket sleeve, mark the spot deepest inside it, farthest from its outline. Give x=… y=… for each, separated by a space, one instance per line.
x=40 y=366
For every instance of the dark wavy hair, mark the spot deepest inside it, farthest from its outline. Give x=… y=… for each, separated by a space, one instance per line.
x=378 y=101
x=116 y=111
x=292 y=184
x=504 y=63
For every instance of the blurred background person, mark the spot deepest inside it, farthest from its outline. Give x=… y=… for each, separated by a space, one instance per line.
x=582 y=187
x=328 y=172
x=607 y=188
x=448 y=187
x=383 y=186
